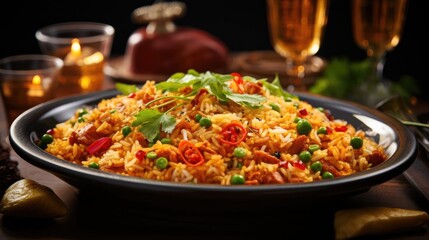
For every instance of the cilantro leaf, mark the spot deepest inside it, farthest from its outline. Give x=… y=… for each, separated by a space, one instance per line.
x=276 y=89
x=168 y=123
x=151 y=121
x=126 y=88
x=249 y=100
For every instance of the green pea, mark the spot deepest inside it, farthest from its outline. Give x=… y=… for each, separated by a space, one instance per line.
x=356 y=142
x=166 y=141
x=322 y=130
x=161 y=162
x=275 y=107
x=198 y=117
x=305 y=156
x=313 y=147
x=126 y=130
x=321 y=109
x=295 y=104
x=80 y=119
x=303 y=127
x=237 y=179
x=327 y=175
x=316 y=166
x=205 y=122
x=94 y=165
x=151 y=155
x=239 y=152
x=46 y=139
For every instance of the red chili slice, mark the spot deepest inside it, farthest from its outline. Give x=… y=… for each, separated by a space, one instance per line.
x=238 y=79
x=190 y=154
x=99 y=145
x=341 y=128
x=233 y=133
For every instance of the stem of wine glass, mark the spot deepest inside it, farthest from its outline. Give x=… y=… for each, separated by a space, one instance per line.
x=296 y=71
x=377 y=67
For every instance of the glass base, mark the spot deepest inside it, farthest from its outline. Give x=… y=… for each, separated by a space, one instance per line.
x=371 y=94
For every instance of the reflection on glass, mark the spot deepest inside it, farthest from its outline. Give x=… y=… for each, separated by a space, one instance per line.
x=377 y=28
x=296 y=28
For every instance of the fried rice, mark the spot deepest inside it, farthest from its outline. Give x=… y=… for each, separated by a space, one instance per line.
x=210 y=128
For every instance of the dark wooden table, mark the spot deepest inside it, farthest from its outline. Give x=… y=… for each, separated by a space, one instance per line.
x=94 y=217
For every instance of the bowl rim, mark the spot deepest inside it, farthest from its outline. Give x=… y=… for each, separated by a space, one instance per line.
x=20 y=131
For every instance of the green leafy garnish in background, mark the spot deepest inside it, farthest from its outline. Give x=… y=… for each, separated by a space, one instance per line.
x=341 y=76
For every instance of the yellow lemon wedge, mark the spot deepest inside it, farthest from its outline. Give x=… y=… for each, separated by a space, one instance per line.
x=350 y=223
x=29 y=199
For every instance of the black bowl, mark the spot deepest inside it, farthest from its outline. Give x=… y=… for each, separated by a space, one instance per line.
x=400 y=142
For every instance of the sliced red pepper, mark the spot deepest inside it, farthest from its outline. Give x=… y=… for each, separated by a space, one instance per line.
x=140 y=154
x=329 y=130
x=299 y=164
x=132 y=95
x=233 y=133
x=190 y=154
x=238 y=79
x=302 y=112
x=99 y=145
x=341 y=128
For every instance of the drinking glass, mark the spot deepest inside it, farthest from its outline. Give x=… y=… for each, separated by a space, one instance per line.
x=296 y=29
x=84 y=47
x=26 y=81
x=377 y=28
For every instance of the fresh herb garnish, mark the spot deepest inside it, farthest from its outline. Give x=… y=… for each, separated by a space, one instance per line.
x=150 y=122
x=126 y=88
x=215 y=83
x=275 y=88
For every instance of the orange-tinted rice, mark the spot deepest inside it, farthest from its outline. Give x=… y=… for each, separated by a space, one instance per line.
x=270 y=133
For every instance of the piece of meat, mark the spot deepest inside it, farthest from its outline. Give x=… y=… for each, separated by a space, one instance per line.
x=85 y=135
x=297 y=145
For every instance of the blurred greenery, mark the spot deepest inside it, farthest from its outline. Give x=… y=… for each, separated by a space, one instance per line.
x=341 y=76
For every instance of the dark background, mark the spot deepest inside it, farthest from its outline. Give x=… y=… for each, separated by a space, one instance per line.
x=241 y=25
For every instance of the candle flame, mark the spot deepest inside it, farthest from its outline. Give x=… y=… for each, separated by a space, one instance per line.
x=35 y=88
x=36 y=80
x=75 y=47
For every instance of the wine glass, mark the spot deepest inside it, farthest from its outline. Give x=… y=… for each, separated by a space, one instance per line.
x=377 y=28
x=296 y=29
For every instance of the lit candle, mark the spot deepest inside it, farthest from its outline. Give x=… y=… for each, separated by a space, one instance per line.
x=83 y=69
x=35 y=88
x=82 y=56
